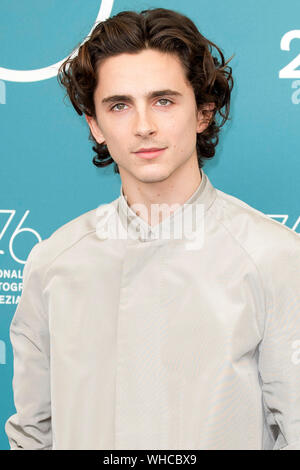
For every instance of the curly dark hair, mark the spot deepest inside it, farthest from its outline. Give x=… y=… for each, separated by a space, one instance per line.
x=159 y=29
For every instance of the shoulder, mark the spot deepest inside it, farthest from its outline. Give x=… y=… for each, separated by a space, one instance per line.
x=252 y=228
x=273 y=247
x=68 y=236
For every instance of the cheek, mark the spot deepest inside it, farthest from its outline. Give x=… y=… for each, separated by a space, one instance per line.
x=118 y=141
x=116 y=134
x=184 y=133
x=171 y=127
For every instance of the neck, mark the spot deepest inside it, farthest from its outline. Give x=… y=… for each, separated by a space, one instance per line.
x=144 y=198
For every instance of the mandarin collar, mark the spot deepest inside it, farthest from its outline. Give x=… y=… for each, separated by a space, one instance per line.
x=193 y=209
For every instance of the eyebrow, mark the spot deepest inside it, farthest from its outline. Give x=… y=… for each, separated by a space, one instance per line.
x=151 y=94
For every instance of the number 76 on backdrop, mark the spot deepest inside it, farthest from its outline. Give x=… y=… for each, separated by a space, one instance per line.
x=290 y=70
x=18 y=230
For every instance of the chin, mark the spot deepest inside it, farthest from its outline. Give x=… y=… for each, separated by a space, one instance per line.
x=152 y=176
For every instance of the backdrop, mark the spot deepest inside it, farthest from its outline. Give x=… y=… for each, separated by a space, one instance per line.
x=47 y=175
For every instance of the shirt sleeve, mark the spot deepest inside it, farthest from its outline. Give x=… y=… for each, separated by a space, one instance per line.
x=279 y=351
x=30 y=427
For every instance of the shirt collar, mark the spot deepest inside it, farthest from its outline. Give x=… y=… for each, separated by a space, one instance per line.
x=190 y=212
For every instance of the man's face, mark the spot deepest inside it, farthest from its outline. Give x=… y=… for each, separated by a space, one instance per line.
x=167 y=121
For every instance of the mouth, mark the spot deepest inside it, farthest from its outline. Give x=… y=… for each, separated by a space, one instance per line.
x=148 y=154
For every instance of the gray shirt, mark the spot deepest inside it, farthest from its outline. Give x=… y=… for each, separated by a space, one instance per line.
x=125 y=338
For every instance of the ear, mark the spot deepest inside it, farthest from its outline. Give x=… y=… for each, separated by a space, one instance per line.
x=94 y=128
x=204 y=116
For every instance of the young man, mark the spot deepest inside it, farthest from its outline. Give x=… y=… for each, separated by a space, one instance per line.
x=169 y=318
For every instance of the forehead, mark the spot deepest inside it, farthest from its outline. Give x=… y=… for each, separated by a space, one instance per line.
x=148 y=69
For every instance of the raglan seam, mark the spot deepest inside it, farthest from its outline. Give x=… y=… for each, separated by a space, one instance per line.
x=63 y=251
x=266 y=304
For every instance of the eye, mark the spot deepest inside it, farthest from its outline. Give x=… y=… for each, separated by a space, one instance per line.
x=165 y=99
x=118 y=104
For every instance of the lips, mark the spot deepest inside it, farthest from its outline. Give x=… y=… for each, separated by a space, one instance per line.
x=149 y=153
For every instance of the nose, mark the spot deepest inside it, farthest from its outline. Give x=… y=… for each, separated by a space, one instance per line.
x=144 y=123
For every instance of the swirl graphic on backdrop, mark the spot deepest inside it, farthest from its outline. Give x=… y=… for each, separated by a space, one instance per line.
x=44 y=73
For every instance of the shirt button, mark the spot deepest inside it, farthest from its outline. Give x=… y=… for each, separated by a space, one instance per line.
x=101 y=232
x=142 y=238
x=141 y=234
